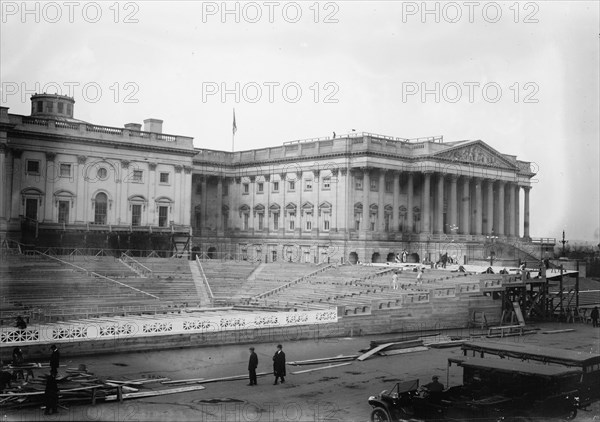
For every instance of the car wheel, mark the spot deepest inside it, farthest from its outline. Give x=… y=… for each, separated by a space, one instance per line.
x=572 y=414
x=379 y=415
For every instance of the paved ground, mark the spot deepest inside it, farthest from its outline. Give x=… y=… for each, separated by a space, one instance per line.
x=337 y=394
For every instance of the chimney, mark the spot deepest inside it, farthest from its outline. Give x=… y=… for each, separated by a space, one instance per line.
x=153 y=125
x=133 y=126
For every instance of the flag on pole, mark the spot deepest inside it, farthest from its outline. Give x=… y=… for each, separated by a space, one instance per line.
x=234 y=124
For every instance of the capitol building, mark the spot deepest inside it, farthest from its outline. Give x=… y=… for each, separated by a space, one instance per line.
x=359 y=197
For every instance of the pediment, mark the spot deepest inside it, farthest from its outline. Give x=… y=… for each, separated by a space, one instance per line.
x=476 y=152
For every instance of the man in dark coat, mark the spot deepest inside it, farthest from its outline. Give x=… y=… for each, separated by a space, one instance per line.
x=279 y=364
x=54 y=360
x=252 y=364
x=595 y=315
x=51 y=395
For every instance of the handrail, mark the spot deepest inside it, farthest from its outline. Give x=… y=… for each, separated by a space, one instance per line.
x=136 y=266
x=210 y=293
x=88 y=272
x=299 y=279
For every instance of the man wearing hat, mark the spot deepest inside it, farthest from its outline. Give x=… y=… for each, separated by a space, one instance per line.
x=252 y=364
x=435 y=389
x=279 y=364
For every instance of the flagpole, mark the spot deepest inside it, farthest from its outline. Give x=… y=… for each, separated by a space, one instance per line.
x=234 y=129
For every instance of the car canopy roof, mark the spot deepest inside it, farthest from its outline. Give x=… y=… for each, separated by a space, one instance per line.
x=536 y=353
x=511 y=366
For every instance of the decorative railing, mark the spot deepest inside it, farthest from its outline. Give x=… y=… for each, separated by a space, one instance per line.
x=198 y=323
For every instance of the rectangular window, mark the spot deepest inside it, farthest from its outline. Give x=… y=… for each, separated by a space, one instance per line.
x=388 y=217
x=65 y=170
x=261 y=221
x=136 y=214
x=276 y=221
x=61 y=107
x=327 y=183
x=372 y=226
x=40 y=106
x=246 y=189
x=164 y=178
x=100 y=212
x=225 y=221
x=292 y=185
x=358 y=183
x=225 y=189
x=292 y=222
x=31 y=208
x=49 y=107
x=308 y=184
x=374 y=185
x=275 y=186
x=326 y=224
x=198 y=220
x=69 y=110
x=63 y=211
x=199 y=189
x=246 y=217
x=33 y=167
x=356 y=221
x=163 y=216
x=137 y=176
x=260 y=186
x=308 y=225
x=389 y=186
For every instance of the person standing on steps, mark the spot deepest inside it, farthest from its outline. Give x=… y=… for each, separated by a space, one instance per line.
x=279 y=364
x=252 y=365
x=54 y=360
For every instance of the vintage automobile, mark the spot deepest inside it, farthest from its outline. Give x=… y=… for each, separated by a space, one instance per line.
x=493 y=390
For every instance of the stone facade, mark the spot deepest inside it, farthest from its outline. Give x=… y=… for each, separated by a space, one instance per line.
x=63 y=173
x=357 y=197
x=360 y=196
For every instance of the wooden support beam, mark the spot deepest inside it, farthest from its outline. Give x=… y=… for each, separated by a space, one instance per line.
x=320 y=368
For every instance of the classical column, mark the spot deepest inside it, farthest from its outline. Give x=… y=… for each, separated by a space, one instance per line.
x=187 y=195
x=526 y=190
x=252 y=194
x=282 y=215
x=396 y=202
x=517 y=211
x=49 y=205
x=490 y=207
x=381 y=202
x=465 y=214
x=219 y=204
x=478 y=212
x=4 y=171
x=452 y=211
x=366 y=190
x=426 y=213
x=80 y=197
x=17 y=172
x=204 y=200
x=500 y=208
x=409 y=203
x=511 y=209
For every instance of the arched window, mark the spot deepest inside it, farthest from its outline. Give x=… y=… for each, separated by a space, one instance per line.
x=100 y=208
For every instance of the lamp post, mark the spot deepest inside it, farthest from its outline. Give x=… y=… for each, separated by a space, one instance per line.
x=491 y=239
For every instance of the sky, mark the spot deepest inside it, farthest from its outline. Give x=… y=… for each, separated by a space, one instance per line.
x=521 y=76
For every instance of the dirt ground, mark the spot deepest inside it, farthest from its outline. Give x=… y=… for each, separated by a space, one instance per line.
x=336 y=394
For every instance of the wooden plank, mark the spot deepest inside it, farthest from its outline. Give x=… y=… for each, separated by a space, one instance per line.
x=403 y=351
x=183 y=381
x=36 y=393
x=154 y=393
x=373 y=351
x=321 y=368
x=124 y=387
x=339 y=358
x=567 y=330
